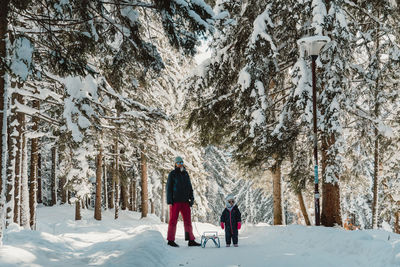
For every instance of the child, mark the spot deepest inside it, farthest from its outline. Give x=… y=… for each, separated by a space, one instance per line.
x=231 y=221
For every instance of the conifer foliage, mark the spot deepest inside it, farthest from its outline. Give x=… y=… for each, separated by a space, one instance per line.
x=255 y=94
x=85 y=64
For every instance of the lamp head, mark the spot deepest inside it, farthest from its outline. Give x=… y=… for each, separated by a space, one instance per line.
x=312 y=45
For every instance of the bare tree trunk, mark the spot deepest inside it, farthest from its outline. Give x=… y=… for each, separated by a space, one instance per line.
x=53 y=176
x=78 y=216
x=145 y=196
x=330 y=215
x=303 y=207
x=116 y=178
x=39 y=192
x=33 y=170
x=97 y=205
x=276 y=176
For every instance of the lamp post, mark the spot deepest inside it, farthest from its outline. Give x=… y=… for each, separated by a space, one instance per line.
x=312 y=46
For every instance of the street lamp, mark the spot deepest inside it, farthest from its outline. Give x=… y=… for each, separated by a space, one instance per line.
x=312 y=46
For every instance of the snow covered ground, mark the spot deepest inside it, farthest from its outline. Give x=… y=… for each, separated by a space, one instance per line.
x=130 y=241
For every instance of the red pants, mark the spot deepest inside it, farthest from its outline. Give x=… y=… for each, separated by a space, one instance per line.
x=184 y=209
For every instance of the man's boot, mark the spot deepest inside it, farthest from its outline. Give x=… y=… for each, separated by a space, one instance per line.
x=172 y=244
x=193 y=243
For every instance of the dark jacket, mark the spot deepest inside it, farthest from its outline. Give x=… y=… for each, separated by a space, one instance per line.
x=231 y=218
x=179 y=187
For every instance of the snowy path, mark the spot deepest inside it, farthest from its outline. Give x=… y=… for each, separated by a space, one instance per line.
x=296 y=246
x=131 y=241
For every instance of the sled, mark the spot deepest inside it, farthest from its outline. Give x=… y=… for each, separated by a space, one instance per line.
x=210 y=236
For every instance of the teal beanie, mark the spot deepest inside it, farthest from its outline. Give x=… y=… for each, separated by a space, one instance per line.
x=178 y=159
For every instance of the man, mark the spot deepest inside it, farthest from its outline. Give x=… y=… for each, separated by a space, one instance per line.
x=180 y=199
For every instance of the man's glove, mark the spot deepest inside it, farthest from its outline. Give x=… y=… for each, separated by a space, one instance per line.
x=222 y=225
x=191 y=201
x=239 y=225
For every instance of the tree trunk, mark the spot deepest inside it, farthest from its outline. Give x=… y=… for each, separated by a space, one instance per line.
x=14 y=132
x=24 y=184
x=11 y=164
x=330 y=215
x=276 y=176
x=152 y=206
x=78 y=216
x=124 y=196
x=18 y=169
x=53 y=176
x=376 y=139
x=145 y=197
x=18 y=163
x=112 y=185
x=97 y=205
x=105 y=184
x=396 y=223
x=34 y=169
x=162 y=199
x=116 y=178
x=375 y=183
x=63 y=190
x=3 y=108
x=167 y=214
x=133 y=194
x=303 y=208
x=39 y=186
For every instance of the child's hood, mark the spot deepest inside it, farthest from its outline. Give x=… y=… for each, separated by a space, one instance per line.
x=228 y=205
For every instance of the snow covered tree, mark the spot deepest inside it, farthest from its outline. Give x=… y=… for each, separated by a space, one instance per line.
x=376 y=78
x=246 y=79
x=74 y=36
